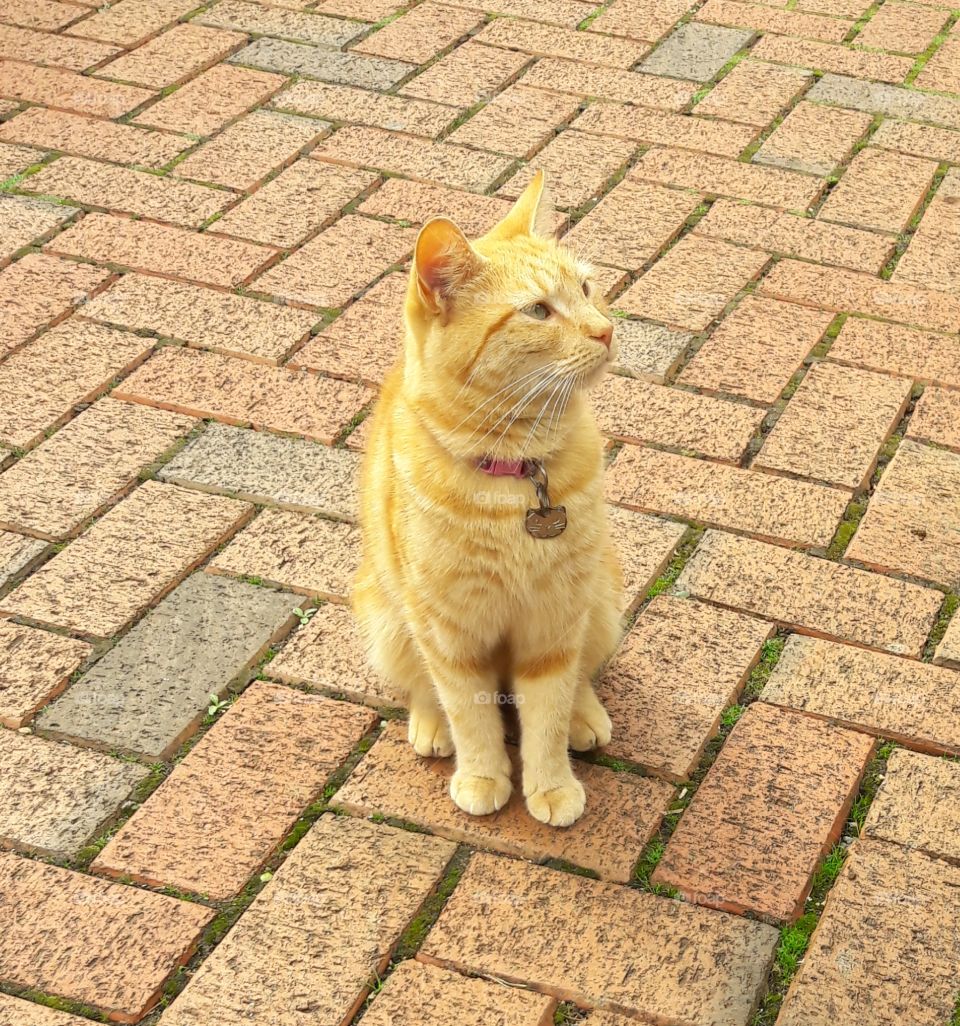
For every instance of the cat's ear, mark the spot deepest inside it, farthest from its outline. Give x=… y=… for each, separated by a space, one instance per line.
x=443 y=261
x=529 y=215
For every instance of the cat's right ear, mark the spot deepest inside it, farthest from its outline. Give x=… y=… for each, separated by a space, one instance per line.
x=443 y=261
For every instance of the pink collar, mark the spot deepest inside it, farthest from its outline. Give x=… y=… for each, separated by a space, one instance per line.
x=505 y=468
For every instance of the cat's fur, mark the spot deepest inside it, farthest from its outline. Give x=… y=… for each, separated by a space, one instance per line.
x=453 y=594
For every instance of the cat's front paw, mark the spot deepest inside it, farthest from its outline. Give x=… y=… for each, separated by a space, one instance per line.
x=590 y=725
x=480 y=795
x=429 y=733
x=558 y=806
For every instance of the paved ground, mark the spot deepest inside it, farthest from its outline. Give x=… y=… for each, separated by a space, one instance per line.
x=209 y=815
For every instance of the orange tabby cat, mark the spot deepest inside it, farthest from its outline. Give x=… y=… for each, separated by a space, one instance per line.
x=454 y=593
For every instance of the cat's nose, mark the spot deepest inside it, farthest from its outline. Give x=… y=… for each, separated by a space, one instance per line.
x=603 y=335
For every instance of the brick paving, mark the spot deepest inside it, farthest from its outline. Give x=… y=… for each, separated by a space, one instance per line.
x=209 y=812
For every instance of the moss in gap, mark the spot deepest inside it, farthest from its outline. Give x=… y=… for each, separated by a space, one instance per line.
x=647 y=863
x=669 y=576
x=903 y=239
x=562 y=866
x=829 y=336
x=568 y=1014
x=770 y=652
x=847 y=528
x=951 y=602
x=872 y=779
x=38 y=997
x=938 y=40
x=413 y=936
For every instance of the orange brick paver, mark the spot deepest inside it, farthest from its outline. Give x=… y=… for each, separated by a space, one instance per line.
x=207 y=216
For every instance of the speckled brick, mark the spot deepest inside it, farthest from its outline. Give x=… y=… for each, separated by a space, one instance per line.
x=893 y=349
x=930 y=260
x=320 y=62
x=249 y=149
x=301 y=199
x=155 y=537
x=416 y=202
x=937 y=418
x=17 y=553
x=208 y=101
x=942 y=71
x=577 y=165
x=456 y=166
x=793 y=236
x=363 y=10
x=649 y=351
x=429 y=996
x=879 y=190
x=162 y=249
x=320 y=931
x=918 y=805
x=268 y=469
x=47 y=818
x=763 y=505
x=49 y=15
x=258 y=19
x=641 y=19
x=51 y=50
x=549 y=41
x=517 y=121
x=149 y=693
x=89 y=137
x=693 y=282
x=835 y=425
x=566 y=13
x=753 y=93
x=680 y=666
x=911 y=522
x=130 y=21
x=327 y=653
x=365 y=341
x=814 y=139
x=217 y=818
x=109 y=946
x=132 y=192
x=811 y=594
x=362 y=107
x=842 y=60
x=222 y=321
x=756 y=349
x=665 y=129
x=93 y=459
x=622 y=813
x=609 y=83
x=695 y=51
x=57 y=87
x=942 y=144
x=36 y=667
x=41 y=290
x=719 y=176
x=72 y=363
x=600 y=943
x=903 y=28
x=886 y=948
x=909 y=701
x=240 y=392
x=420 y=33
x=887 y=99
x=833 y=289
x=743 y=845
x=174 y=55
x=14 y=1012
x=24 y=220
x=306 y=554
x=16 y=159
x=637 y=411
x=767 y=19
x=644 y=546
x=339 y=262
x=467 y=75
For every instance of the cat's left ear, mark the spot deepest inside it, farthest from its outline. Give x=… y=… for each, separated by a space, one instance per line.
x=529 y=215
x=443 y=260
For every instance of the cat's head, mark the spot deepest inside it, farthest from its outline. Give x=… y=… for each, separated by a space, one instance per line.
x=512 y=316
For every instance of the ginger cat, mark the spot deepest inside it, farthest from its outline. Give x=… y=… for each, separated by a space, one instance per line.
x=454 y=593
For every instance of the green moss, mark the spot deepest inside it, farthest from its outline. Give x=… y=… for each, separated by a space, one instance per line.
x=948 y=609
x=413 y=936
x=770 y=653
x=847 y=528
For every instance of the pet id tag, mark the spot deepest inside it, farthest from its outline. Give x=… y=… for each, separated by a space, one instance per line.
x=547 y=521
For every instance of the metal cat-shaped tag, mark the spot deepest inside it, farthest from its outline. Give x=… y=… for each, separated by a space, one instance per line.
x=547 y=521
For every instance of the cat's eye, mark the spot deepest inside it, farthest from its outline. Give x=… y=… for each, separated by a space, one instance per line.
x=538 y=311
x=586 y=287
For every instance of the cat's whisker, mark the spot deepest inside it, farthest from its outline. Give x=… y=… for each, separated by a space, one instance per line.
x=557 y=392
x=510 y=388
x=518 y=408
